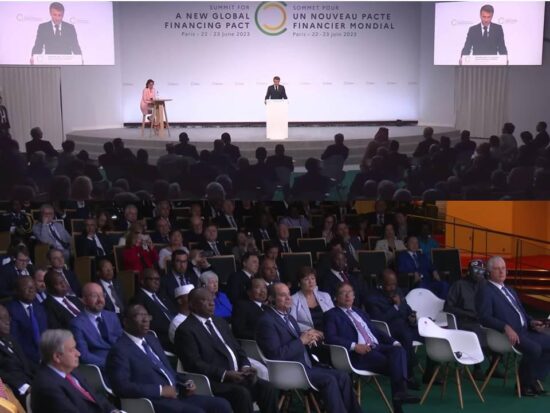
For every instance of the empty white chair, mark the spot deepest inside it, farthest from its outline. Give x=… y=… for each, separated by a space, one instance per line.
x=459 y=347
x=427 y=304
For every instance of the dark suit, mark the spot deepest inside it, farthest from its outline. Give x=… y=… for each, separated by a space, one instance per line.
x=292 y=244
x=330 y=282
x=36 y=145
x=186 y=149
x=65 y=43
x=15 y=369
x=160 y=322
x=169 y=283
x=271 y=93
x=279 y=341
x=133 y=375
x=237 y=286
x=257 y=234
x=8 y=276
x=279 y=161
x=245 y=317
x=335 y=149
x=232 y=151
x=384 y=358
x=51 y=393
x=311 y=183
x=222 y=222
x=88 y=247
x=21 y=327
x=109 y=305
x=496 y=311
x=222 y=249
x=201 y=353
x=478 y=45
x=158 y=238
x=407 y=264
x=92 y=346
x=73 y=282
x=58 y=315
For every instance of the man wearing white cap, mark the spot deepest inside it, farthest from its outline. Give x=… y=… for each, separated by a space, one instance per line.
x=181 y=296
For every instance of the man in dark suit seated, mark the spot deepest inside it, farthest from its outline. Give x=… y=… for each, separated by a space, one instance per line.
x=239 y=282
x=178 y=274
x=157 y=304
x=370 y=349
x=423 y=148
x=4 y=120
x=114 y=297
x=499 y=308
x=38 y=277
x=161 y=235
x=230 y=150
x=280 y=160
x=57 y=264
x=56 y=386
x=337 y=148
x=205 y=345
x=196 y=230
x=339 y=273
x=28 y=318
x=184 y=148
x=279 y=338
x=137 y=367
x=247 y=312
x=60 y=307
x=93 y=244
x=351 y=244
x=312 y=182
x=37 y=144
x=95 y=330
x=211 y=245
x=485 y=38
x=413 y=262
x=263 y=230
x=283 y=239
x=15 y=369
x=12 y=271
x=276 y=90
x=228 y=219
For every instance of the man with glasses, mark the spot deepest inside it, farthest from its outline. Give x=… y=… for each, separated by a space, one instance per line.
x=11 y=271
x=178 y=275
x=48 y=231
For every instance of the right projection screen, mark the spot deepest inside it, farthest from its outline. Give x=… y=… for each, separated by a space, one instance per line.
x=488 y=34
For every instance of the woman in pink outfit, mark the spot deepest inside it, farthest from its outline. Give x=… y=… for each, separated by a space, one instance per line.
x=147 y=97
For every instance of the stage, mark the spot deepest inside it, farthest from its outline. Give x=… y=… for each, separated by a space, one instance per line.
x=303 y=141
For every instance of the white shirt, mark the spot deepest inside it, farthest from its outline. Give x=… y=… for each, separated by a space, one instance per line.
x=60 y=27
x=488 y=30
x=337 y=274
x=514 y=305
x=150 y=295
x=93 y=319
x=360 y=338
x=97 y=242
x=60 y=301
x=174 y=324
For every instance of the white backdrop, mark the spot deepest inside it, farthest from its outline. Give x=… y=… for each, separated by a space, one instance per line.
x=221 y=74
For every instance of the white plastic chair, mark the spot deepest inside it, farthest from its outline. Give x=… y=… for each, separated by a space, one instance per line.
x=137 y=405
x=251 y=349
x=28 y=403
x=427 y=304
x=92 y=374
x=384 y=327
x=445 y=346
x=201 y=381
x=339 y=358
x=451 y=321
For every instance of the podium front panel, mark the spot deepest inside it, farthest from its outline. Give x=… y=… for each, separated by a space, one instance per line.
x=277 y=119
x=57 y=59
x=485 y=60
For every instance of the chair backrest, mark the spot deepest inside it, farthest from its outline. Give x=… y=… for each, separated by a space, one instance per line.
x=427 y=328
x=201 y=381
x=498 y=342
x=313 y=245
x=128 y=283
x=294 y=233
x=223 y=266
x=339 y=357
x=447 y=263
x=465 y=346
x=119 y=258
x=5 y=240
x=371 y=263
x=40 y=255
x=425 y=303
x=288 y=375
x=83 y=268
x=372 y=240
x=77 y=226
x=382 y=326
x=92 y=375
x=451 y=321
x=227 y=234
x=293 y=261
x=137 y=405
x=251 y=349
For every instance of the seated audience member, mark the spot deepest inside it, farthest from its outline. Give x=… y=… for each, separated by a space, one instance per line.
x=423 y=147
x=195 y=232
x=247 y=312
x=56 y=386
x=389 y=244
x=130 y=217
x=181 y=295
x=263 y=230
x=57 y=263
x=244 y=244
x=426 y=242
x=175 y=244
x=104 y=222
x=60 y=307
x=137 y=367
x=184 y=148
x=163 y=209
x=157 y=304
x=38 y=277
x=400 y=226
x=161 y=235
x=232 y=151
x=37 y=144
x=210 y=244
x=114 y=297
x=498 y=307
x=239 y=282
x=312 y=182
x=337 y=148
x=198 y=342
x=542 y=139
x=91 y=243
x=328 y=229
x=425 y=276
x=380 y=216
x=8 y=401
x=339 y=273
x=228 y=219
x=370 y=349
x=508 y=143
x=12 y=271
x=309 y=304
x=178 y=275
x=351 y=244
x=16 y=369
x=295 y=219
x=283 y=239
x=28 y=318
x=466 y=147
x=51 y=232
x=197 y=264
x=209 y=280
x=279 y=159
x=269 y=272
x=139 y=252
x=95 y=329
x=279 y=338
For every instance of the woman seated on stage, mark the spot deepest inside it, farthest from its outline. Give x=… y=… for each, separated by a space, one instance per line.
x=149 y=94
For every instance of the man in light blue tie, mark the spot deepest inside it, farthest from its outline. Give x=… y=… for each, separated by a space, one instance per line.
x=499 y=308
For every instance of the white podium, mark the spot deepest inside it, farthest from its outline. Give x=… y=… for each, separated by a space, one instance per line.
x=277 y=119
x=485 y=60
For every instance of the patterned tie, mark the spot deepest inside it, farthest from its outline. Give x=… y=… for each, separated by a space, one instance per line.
x=514 y=303
x=359 y=326
x=157 y=362
x=71 y=307
x=80 y=389
x=344 y=276
x=34 y=325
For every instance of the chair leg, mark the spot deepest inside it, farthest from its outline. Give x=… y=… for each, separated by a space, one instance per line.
x=444 y=387
x=314 y=402
x=143 y=123
x=518 y=383
x=459 y=387
x=506 y=362
x=358 y=389
x=281 y=401
x=540 y=385
x=388 y=405
x=306 y=401
x=490 y=374
x=297 y=393
x=430 y=385
x=469 y=373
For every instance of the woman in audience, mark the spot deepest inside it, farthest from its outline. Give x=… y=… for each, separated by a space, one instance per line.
x=222 y=305
x=329 y=224
x=176 y=243
x=139 y=252
x=149 y=94
x=390 y=245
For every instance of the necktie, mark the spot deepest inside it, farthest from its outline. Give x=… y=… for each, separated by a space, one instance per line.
x=220 y=343
x=296 y=333
x=232 y=222
x=485 y=32
x=56 y=235
x=514 y=303
x=71 y=307
x=344 y=276
x=364 y=333
x=265 y=235
x=416 y=263
x=215 y=249
x=286 y=248
x=80 y=389
x=157 y=362
x=276 y=88
x=57 y=31
x=102 y=327
x=99 y=248
x=380 y=219
x=116 y=299
x=162 y=307
x=34 y=325
x=181 y=280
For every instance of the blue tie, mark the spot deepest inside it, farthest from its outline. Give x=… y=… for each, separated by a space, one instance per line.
x=296 y=334
x=102 y=327
x=157 y=362
x=34 y=325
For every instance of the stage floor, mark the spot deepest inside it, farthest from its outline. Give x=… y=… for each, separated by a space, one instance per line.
x=303 y=141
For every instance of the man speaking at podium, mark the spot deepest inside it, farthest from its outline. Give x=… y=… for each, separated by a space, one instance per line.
x=56 y=36
x=276 y=90
x=485 y=38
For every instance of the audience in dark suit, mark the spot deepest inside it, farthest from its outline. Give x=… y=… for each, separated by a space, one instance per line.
x=12 y=271
x=337 y=148
x=239 y=282
x=38 y=144
x=230 y=150
x=114 y=296
x=313 y=184
x=177 y=275
x=279 y=159
x=247 y=312
x=57 y=262
x=339 y=273
x=210 y=244
x=60 y=307
x=184 y=148
x=423 y=147
x=92 y=243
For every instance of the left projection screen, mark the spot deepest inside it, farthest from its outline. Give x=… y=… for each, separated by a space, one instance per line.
x=56 y=33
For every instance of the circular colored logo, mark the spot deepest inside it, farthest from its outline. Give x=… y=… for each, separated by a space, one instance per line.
x=271 y=17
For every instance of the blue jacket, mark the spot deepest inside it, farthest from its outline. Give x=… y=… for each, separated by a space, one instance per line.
x=21 y=328
x=406 y=264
